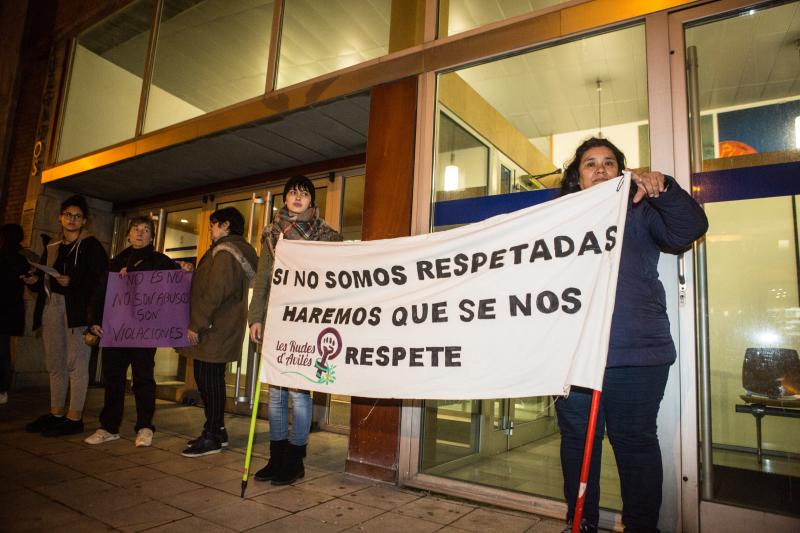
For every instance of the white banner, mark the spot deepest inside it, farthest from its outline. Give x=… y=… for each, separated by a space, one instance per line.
x=516 y=305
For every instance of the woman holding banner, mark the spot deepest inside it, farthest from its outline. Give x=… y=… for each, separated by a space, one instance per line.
x=661 y=217
x=139 y=256
x=298 y=219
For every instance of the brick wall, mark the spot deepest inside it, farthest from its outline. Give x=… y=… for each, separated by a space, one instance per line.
x=31 y=76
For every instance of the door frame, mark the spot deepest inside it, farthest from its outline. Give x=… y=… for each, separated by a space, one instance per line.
x=662 y=156
x=698 y=514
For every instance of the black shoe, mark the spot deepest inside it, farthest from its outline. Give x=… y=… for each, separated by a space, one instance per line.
x=277 y=453
x=223 y=437
x=64 y=427
x=585 y=527
x=44 y=421
x=205 y=444
x=293 y=468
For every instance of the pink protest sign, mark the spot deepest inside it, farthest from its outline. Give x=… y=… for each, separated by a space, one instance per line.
x=147 y=309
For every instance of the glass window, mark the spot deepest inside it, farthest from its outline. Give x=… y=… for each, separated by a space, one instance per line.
x=747 y=65
x=521 y=119
x=353 y=208
x=456 y=16
x=749 y=107
x=209 y=54
x=182 y=234
x=462 y=162
x=321 y=37
x=105 y=84
x=526 y=115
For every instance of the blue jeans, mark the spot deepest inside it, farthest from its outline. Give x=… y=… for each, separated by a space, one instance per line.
x=279 y=415
x=628 y=410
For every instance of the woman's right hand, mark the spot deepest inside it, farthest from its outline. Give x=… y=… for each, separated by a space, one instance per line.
x=255 y=332
x=96 y=330
x=123 y=272
x=649 y=184
x=29 y=278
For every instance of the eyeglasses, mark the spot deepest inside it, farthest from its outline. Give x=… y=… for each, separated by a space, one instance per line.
x=72 y=216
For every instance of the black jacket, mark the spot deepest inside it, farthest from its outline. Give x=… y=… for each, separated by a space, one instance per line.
x=87 y=266
x=640 y=333
x=132 y=260
x=12 y=312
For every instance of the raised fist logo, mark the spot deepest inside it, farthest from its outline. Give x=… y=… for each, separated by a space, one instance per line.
x=329 y=345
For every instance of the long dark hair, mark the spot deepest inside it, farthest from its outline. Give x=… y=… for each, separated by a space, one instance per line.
x=572 y=177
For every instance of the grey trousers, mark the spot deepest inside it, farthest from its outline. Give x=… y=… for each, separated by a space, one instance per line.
x=66 y=356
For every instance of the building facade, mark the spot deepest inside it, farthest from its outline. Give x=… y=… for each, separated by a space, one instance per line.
x=415 y=116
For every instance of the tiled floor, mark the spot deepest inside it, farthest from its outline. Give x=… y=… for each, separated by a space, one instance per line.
x=64 y=483
x=535 y=468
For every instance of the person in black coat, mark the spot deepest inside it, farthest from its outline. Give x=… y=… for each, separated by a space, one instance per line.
x=139 y=256
x=62 y=310
x=13 y=266
x=661 y=217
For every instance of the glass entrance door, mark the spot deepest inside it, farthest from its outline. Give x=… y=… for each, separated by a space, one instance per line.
x=518 y=421
x=744 y=120
x=508 y=443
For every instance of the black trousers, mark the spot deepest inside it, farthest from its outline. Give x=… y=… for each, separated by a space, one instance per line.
x=210 y=378
x=6 y=371
x=115 y=368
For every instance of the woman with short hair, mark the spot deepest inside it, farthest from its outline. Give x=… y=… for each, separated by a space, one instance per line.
x=139 y=256
x=218 y=312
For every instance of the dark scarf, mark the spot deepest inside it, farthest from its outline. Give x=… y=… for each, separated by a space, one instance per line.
x=307 y=226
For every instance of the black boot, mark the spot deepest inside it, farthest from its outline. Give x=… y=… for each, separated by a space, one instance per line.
x=293 y=468
x=277 y=458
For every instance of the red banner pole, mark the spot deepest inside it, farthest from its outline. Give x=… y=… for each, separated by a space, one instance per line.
x=587 y=460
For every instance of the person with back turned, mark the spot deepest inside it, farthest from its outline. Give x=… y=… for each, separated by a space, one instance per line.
x=13 y=267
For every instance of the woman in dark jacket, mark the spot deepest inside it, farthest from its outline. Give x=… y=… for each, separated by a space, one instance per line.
x=139 y=256
x=63 y=309
x=12 y=313
x=661 y=217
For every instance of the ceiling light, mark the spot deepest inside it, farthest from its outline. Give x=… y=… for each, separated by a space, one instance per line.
x=184 y=221
x=450 y=178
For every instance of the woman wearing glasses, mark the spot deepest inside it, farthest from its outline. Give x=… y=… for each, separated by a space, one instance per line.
x=298 y=219
x=63 y=308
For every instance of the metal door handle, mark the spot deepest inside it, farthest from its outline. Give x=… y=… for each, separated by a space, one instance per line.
x=681 y=280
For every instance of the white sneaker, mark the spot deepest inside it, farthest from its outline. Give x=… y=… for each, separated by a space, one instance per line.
x=3 y=398
x=100 y=436
x=144 y=437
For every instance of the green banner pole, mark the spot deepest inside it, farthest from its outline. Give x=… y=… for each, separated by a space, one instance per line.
x=251 y=436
